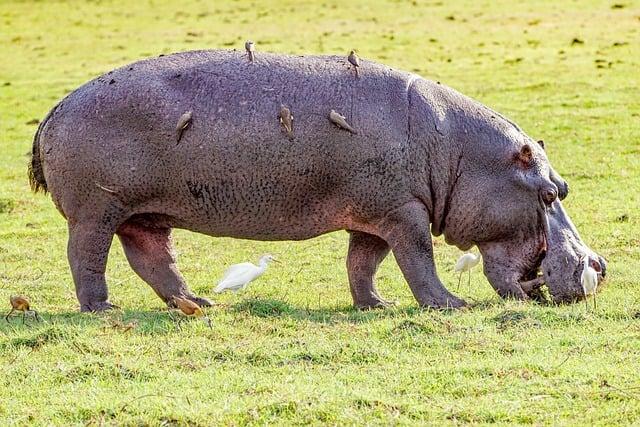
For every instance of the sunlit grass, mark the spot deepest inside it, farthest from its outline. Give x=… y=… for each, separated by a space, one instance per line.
x=291 y=349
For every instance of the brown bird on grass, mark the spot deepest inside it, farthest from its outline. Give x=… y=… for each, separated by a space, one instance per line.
x=183 y=123
x=20 y=303
x=188 y=307
x=191 y=309
x=354 y=60
x=286 y=120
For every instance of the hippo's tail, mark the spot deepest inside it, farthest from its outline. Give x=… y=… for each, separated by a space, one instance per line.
x=36 y=171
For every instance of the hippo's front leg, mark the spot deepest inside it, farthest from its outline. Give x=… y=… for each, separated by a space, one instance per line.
x=406 y=230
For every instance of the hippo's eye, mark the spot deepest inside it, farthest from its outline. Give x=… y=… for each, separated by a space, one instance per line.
x=549 y=195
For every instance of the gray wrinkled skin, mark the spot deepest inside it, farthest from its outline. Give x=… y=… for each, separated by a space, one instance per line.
x=425 y=159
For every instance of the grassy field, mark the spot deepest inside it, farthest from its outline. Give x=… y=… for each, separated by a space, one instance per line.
x=291 y=349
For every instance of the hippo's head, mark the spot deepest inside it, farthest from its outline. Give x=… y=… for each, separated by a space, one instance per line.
x=505 y=199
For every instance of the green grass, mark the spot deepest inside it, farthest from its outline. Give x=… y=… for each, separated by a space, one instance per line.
x=291 y=349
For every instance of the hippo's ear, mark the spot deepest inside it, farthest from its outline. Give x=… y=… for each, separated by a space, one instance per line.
x=541 y=143
x=524 y=156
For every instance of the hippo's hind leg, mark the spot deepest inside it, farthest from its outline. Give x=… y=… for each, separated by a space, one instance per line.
x=87 y=250
x=406 y=230
x=366 y=252
x=150 y=253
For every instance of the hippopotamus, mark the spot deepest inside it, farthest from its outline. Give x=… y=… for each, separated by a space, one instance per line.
x=194 y=140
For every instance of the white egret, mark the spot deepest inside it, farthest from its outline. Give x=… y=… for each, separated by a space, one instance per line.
x=238 y=276
x=465 y=263
x=589 y=281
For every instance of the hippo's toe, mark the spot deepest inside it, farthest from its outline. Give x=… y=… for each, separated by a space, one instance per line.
x=202 y=302
x=374 y=303
x=97 y=307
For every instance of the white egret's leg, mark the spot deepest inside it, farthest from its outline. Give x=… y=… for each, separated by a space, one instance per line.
x=586 y=300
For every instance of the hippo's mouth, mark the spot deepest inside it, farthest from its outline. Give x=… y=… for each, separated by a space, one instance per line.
x=533 y=279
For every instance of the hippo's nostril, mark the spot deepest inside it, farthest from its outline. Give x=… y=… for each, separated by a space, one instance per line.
x=563 y=190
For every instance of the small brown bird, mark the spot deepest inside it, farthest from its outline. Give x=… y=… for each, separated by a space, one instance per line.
x=20 y=303
x=286 y=120
x=340 y=121
x=190 y=308
x=183 y=122
x=250 y=47
x=354 y=60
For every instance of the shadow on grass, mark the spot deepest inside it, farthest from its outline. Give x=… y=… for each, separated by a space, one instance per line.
x=59 y=326
x=268 y=307
x=158 y=322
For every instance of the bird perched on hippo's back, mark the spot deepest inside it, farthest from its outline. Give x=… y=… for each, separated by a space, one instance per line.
x=183 y=123
x=355 y=61
x=286 y=120
x=250 y=47
x=340 y=121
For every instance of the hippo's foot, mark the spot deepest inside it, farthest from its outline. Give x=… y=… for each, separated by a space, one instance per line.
x=372 y=302
x=97 y=307
x=448 y=302
x=202 y=302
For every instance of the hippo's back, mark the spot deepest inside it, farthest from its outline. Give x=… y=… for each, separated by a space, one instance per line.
x=119 y=131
